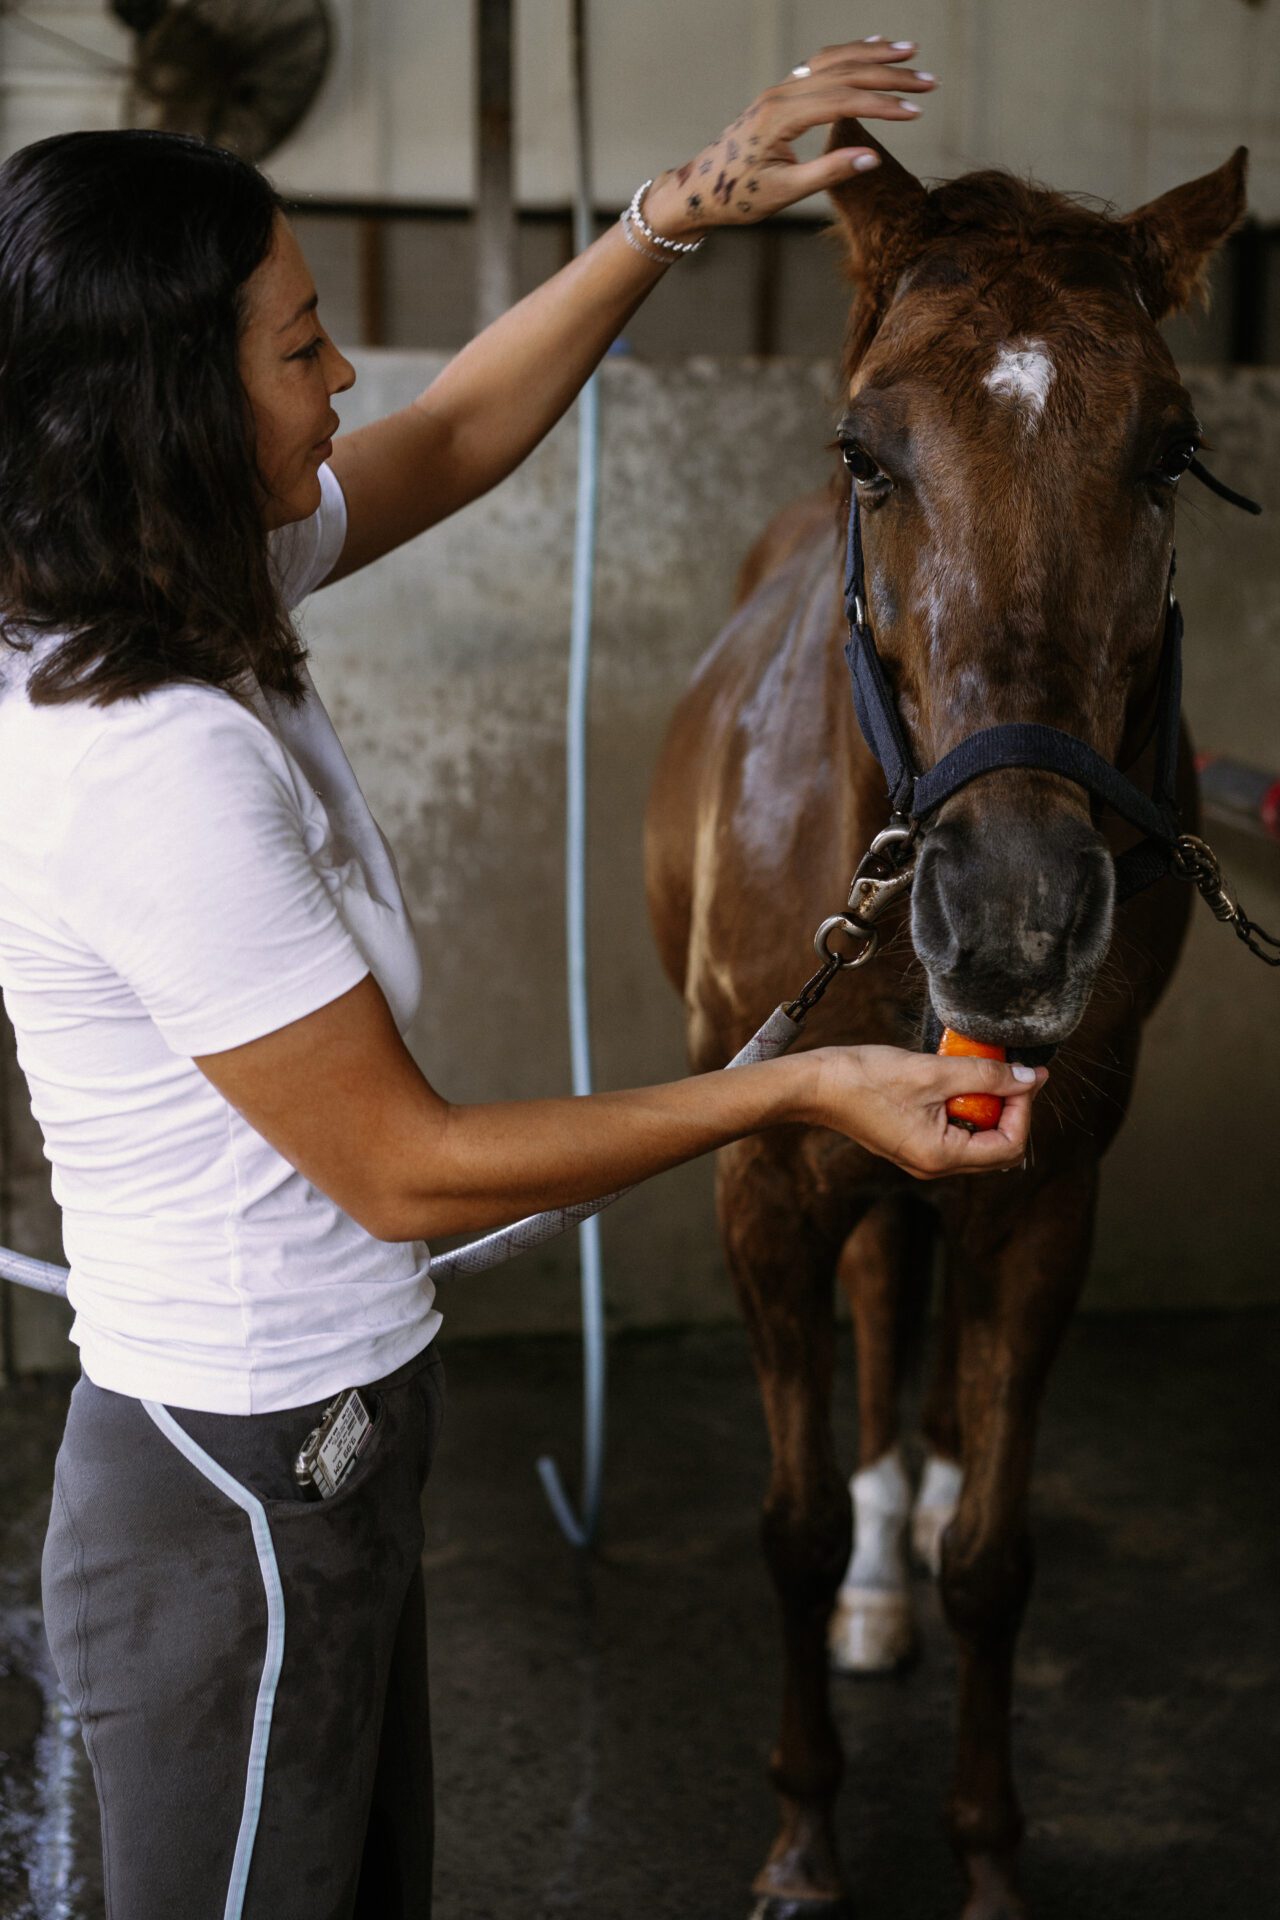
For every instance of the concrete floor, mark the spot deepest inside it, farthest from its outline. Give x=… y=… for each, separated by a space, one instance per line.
x=601 y=1731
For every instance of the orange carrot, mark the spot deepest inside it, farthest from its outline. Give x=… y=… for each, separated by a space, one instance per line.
x=978 y=1112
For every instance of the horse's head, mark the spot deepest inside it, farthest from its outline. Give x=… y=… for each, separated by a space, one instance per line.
x=1016 y=428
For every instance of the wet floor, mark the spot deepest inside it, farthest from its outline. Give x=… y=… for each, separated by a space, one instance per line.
x=602 y=1731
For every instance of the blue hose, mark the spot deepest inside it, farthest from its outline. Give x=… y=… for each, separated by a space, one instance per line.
x=582 y=1531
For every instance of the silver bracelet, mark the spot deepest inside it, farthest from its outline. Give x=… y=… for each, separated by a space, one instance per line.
x=637 y=245
x=676 y=248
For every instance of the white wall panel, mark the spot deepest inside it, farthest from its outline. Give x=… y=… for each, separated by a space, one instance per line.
x=1117 y=100
x=1216 y=86
x=429 y=83
x=1060 y=93
x=342 y=147
x=68 y=78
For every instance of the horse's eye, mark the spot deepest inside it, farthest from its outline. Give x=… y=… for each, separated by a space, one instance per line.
x=1174 y=461
x=860 y=463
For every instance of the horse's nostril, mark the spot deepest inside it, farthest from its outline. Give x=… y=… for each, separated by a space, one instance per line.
x=935 y=936
x=1091 y=925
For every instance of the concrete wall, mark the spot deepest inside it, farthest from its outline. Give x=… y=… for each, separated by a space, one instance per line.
x=444 y=668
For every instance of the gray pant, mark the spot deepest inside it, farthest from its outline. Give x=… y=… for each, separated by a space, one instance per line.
x=248 y=1667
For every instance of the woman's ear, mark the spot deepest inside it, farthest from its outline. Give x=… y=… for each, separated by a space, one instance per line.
x=880 y=216
x=1172 y=239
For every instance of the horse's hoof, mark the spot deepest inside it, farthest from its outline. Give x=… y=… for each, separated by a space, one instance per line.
x=776 y=1906
x=872 y=1630
x=993 y=1893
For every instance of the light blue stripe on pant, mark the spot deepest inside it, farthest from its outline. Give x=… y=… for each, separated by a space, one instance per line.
x=255 y=1772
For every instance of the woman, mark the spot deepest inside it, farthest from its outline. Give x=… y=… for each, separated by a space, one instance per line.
x=208 y=963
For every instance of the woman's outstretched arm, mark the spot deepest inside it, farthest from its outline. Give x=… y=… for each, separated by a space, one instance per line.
x=496 y=399
x=339 y=1095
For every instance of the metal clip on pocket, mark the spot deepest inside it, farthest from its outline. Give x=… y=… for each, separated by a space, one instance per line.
x=330 y=1451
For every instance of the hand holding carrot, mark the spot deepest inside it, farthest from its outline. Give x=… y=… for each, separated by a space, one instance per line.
x=894 y=1103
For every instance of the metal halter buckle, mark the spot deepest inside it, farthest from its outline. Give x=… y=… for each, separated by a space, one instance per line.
x=884 y=873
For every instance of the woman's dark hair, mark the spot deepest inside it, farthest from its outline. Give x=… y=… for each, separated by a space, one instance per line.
x=131 y=507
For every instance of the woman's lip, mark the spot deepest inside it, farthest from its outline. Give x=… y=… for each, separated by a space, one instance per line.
x=324 y=448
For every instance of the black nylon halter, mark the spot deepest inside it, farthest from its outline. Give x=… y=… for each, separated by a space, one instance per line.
x=913 y=794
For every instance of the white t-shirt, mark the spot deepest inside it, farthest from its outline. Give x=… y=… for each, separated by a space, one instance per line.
x=179 y=875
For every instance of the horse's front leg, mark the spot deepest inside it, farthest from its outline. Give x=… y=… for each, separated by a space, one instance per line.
x=783 y=1266
x=1016 y=1286
x=884 y=1270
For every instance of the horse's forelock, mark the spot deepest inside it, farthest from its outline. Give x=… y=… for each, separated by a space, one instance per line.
x=971 y=231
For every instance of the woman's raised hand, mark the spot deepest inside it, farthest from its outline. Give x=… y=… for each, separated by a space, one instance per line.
x=752 y=171
x=894 y=1103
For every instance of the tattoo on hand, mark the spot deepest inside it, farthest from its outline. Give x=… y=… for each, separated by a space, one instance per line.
x=694 y=202
x=723 y=189
x=731 y=150
x=684 y=173
x=753 y=186
x=745 y=206
x=705 y=168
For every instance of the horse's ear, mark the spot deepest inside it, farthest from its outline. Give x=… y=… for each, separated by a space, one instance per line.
x=881 y=213
x=1171 y=239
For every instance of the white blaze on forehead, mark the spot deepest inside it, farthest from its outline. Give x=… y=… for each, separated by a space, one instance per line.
x=1023 y=374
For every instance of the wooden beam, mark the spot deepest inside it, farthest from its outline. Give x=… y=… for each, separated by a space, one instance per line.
x=371 y=236
x=495 y=204
x=768 y=277
x=1247 y=272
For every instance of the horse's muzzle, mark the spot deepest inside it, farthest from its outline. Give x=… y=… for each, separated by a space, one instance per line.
x=1011 y=923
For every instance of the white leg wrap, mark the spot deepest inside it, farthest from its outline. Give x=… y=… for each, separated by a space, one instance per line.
x=881 y=1503
x=873 y=1628
x=936 y=1502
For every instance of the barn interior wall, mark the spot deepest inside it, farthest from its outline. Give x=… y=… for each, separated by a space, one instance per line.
x=444 y=667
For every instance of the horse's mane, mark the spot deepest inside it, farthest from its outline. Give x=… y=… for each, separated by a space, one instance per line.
x=972 y=230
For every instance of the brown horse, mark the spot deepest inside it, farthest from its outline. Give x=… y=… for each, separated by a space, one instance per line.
x=1015 y=428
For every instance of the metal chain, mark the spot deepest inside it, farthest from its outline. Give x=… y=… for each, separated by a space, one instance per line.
x=1251 y=933
x=1195 y=860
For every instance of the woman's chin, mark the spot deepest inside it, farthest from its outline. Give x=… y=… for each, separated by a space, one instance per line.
x=299 y=503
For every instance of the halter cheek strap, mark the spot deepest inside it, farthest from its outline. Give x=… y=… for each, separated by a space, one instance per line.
x=913 y=794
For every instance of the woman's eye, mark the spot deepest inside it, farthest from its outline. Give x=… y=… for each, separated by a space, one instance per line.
x=1174 y=461
x=860 y=463
x=309 y=352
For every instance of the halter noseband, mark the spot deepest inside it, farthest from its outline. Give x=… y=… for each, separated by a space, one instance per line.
x=913 y=794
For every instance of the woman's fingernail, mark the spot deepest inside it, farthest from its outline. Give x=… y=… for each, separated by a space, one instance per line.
x=863 y=161
x=1025 y=1074
x=909 y=106
x=903 y=46
x=872 y=38
x=920 y=75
